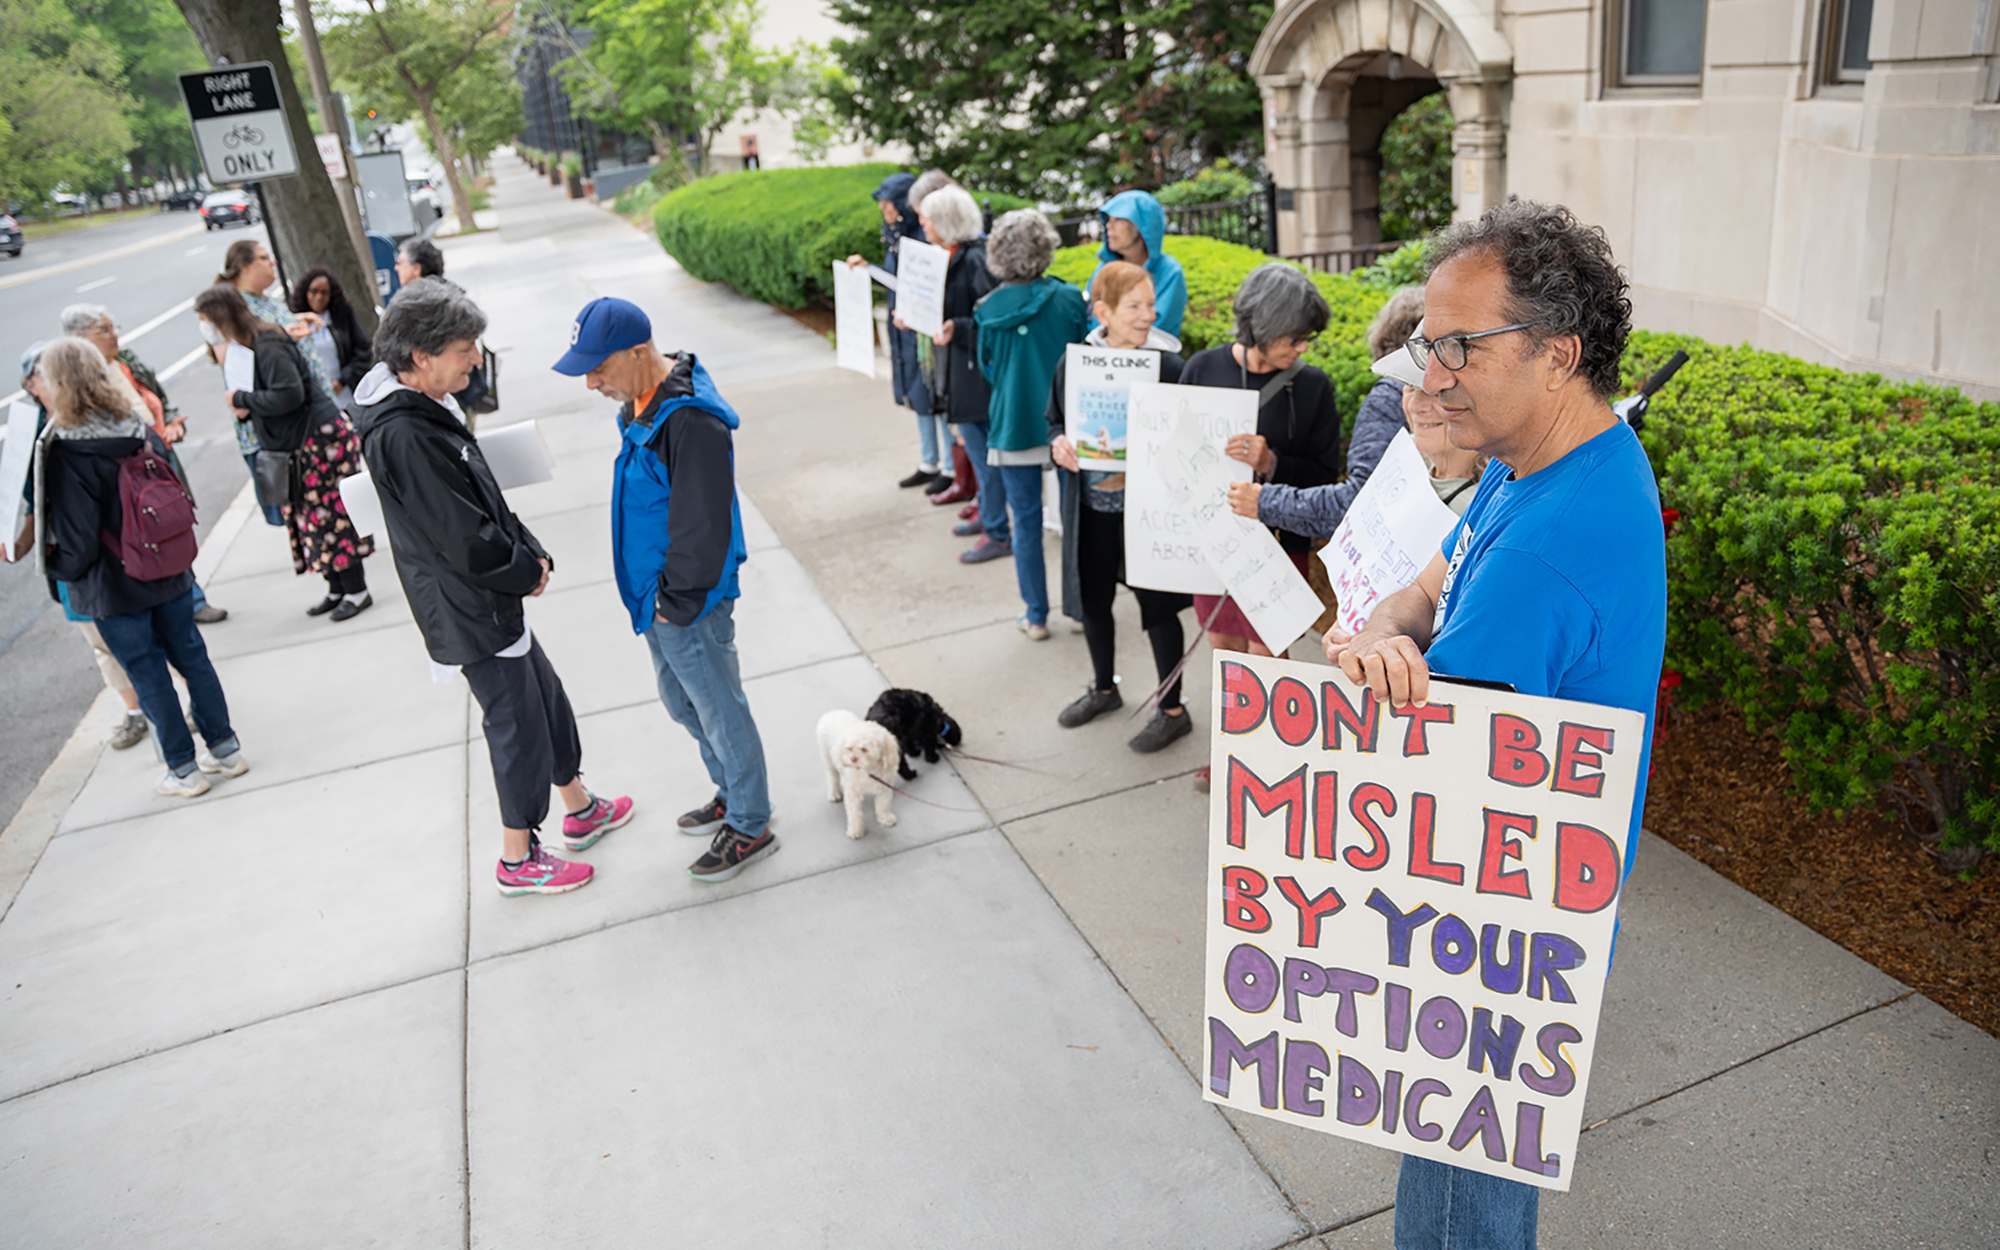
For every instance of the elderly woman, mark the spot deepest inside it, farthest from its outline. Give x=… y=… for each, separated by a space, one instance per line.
x=1022 y=329
x=340 y=343
x=291 y=413
x=1317 y=512
x=467 y=563
x=147 y=624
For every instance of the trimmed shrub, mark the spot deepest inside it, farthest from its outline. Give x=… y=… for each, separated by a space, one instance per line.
x=1836 y=575
x=773 y=234
x=1216 y=184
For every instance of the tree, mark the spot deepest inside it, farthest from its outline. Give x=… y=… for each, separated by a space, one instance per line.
x=1416 y=169
x=445 y=61
x=62 y=110
x=155 y=47
x=1056 y=97
x=305 y=216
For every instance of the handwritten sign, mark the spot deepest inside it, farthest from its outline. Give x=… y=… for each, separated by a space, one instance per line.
x=1391 y=531
x=1163 y=537
x=920 y=270
x=1097 y=385
x=1410 y=911
x=853 y=319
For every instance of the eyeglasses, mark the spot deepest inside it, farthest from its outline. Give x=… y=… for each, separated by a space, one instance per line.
x=1303 y=341
x=1450 y=348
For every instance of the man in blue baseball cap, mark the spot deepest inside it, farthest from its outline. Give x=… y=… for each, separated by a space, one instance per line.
x=678 y=578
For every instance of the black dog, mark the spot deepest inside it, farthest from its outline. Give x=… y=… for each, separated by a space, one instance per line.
x=920 y=726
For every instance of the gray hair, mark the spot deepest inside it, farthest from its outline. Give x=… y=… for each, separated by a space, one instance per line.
x=928 y=181
x=953 y=214
x=80 y=319
x=1278 y=301
x=1397 y=321
x=426 y=316
x=1020 y=246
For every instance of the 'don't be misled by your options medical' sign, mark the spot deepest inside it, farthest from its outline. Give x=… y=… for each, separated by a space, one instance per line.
x=1410 y=911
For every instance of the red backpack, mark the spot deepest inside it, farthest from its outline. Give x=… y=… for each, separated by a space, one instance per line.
x=156 y=538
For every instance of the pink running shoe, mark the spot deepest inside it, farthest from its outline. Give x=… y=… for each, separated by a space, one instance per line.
x=542 y=873
x=580 y=833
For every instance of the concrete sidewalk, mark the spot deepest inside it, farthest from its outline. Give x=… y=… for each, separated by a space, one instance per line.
x=295 y=1012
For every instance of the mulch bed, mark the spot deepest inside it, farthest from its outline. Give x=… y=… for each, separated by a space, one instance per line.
x=1724 y=796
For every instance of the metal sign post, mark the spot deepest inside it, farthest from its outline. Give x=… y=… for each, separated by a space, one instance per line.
x=241 y=131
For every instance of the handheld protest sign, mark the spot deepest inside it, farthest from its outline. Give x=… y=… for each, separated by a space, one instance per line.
x=1410 y=911
x=853 y=319
x=920 y=273
x=1163 y=536
x=1097 y=386
x=1389 y=534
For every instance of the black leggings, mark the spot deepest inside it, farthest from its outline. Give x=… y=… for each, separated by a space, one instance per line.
x=1100 y=556
x=530 y=732
x=348 y=581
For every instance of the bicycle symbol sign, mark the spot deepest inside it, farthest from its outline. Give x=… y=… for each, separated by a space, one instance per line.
x=243 y=134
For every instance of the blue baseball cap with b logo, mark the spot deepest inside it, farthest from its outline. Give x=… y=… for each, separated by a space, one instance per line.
x=606 y=325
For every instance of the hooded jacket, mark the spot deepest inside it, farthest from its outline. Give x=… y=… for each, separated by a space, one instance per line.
x=78 y=503
x=895 y=190
x=676 y=528
x=464 y=558
x=1170 y=294
x=1023 y=329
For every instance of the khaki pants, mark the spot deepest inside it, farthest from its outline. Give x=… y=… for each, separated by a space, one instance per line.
x=107 y=663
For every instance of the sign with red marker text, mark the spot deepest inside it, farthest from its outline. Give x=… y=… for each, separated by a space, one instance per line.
x=1410 y=911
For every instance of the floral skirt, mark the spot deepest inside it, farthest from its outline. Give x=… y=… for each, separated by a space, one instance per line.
x=323 y=539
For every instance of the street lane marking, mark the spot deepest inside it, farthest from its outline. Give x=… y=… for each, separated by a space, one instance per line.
x=50 y=271
x=173 y=370
x=179 y=367
x=158 y=321
x=196 y=251
x=92 y=286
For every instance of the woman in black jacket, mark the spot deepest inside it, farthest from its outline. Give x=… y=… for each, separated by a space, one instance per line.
x=318 y=291
x=146 y=624
x=291 y=413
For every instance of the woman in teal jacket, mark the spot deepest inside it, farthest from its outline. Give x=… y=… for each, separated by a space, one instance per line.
x=1023 y=326
x=1135 y=230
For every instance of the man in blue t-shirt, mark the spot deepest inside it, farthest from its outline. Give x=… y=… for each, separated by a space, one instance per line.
x=1554 y=581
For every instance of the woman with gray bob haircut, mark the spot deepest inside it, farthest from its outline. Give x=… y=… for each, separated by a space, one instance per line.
x=950 y=216
x=430 y=316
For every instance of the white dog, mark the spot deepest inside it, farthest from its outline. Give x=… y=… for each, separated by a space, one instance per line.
x=858 y=754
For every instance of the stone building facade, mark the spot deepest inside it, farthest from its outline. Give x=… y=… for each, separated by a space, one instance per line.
x=1818 y=177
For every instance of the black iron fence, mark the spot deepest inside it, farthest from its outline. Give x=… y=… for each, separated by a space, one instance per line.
x=1249 y=222
x=1344 y=259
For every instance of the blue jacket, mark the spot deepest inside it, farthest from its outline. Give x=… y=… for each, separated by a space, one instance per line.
x=1170 y=295
x=676 y=528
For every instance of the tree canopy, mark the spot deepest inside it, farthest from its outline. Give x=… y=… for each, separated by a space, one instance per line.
x=1416 y=169
x=62 y=102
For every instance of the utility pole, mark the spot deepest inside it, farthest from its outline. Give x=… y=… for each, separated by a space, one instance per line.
x=343 y=187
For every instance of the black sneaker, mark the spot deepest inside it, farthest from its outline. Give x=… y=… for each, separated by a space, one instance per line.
x=1093 y=704
x=705 y=819
x=730 y=853
x=1160 y=731
x=922 y=477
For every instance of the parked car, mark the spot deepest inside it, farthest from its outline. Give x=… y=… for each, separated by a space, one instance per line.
x=180 y=201
x=424 y=198
x=10 y=235
x=228 y=208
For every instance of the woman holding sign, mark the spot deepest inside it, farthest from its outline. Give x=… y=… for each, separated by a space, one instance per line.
x=1093 y=529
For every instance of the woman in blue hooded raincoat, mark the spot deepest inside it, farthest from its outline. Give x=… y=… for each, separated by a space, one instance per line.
x=1135 y=230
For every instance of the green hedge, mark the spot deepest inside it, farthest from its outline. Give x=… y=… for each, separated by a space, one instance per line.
x=774 y=233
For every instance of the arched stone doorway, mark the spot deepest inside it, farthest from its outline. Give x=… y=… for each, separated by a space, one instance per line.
x=1334 y=72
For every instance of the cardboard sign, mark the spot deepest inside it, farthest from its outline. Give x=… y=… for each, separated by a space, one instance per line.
x=920 y=270
x=1163 y=536
x=853 y=319
x=17 y=454
x=1410 y=911
x=1391 y=531
x=1097 y=385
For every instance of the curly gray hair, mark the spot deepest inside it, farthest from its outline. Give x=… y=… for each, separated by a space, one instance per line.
x=426 y=316
x=1397 y=321
x=1278 y=301
x=1021 y=246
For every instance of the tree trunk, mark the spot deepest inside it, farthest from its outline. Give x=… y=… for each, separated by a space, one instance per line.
x=305 y=215
x=447 y=154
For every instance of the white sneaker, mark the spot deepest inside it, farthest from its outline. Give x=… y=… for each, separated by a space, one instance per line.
x=178 y=787
x=230 y=765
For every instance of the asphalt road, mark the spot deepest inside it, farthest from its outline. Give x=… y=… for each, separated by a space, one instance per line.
x=146 y=272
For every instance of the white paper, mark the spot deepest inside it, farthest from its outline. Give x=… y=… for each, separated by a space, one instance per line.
x=1097 y=384
x=883 y=276
x=17 y=454
x=853 y=319
x=239 y=368
x=1391 y=531
x=1162 y=533
x=920 y=270
x=1266 y=585
x=364 y=506
x=517 y=454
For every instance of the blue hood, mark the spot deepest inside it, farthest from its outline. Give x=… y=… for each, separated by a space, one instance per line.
x=1143 y=211
x=896 y=190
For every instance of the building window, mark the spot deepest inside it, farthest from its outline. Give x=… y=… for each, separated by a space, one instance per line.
x=1657 y=43
x=1847 y=26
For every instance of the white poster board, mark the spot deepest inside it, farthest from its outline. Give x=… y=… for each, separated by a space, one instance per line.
x=1097 y=385
x=853 y=319
x=17 y=455
x=1391 y=531
x=1410 y=912
x=1162 y=537
x=920 y=269
x=239 y=368
x=517 y=454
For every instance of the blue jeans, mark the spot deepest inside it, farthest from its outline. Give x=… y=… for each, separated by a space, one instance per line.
x=272 y=513
x=1023 y=486
x=1441 y=1207
x=930 y=438
x=145 y=643
x=992 y=496
x=699 y=681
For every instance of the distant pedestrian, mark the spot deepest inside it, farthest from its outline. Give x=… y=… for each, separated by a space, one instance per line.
x=249 y=267
x=292 y=414
x=676 y=544
x=1135 y=231
x=418 y=258
x=342 y=345
x=147 y=623
x=467 y=564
